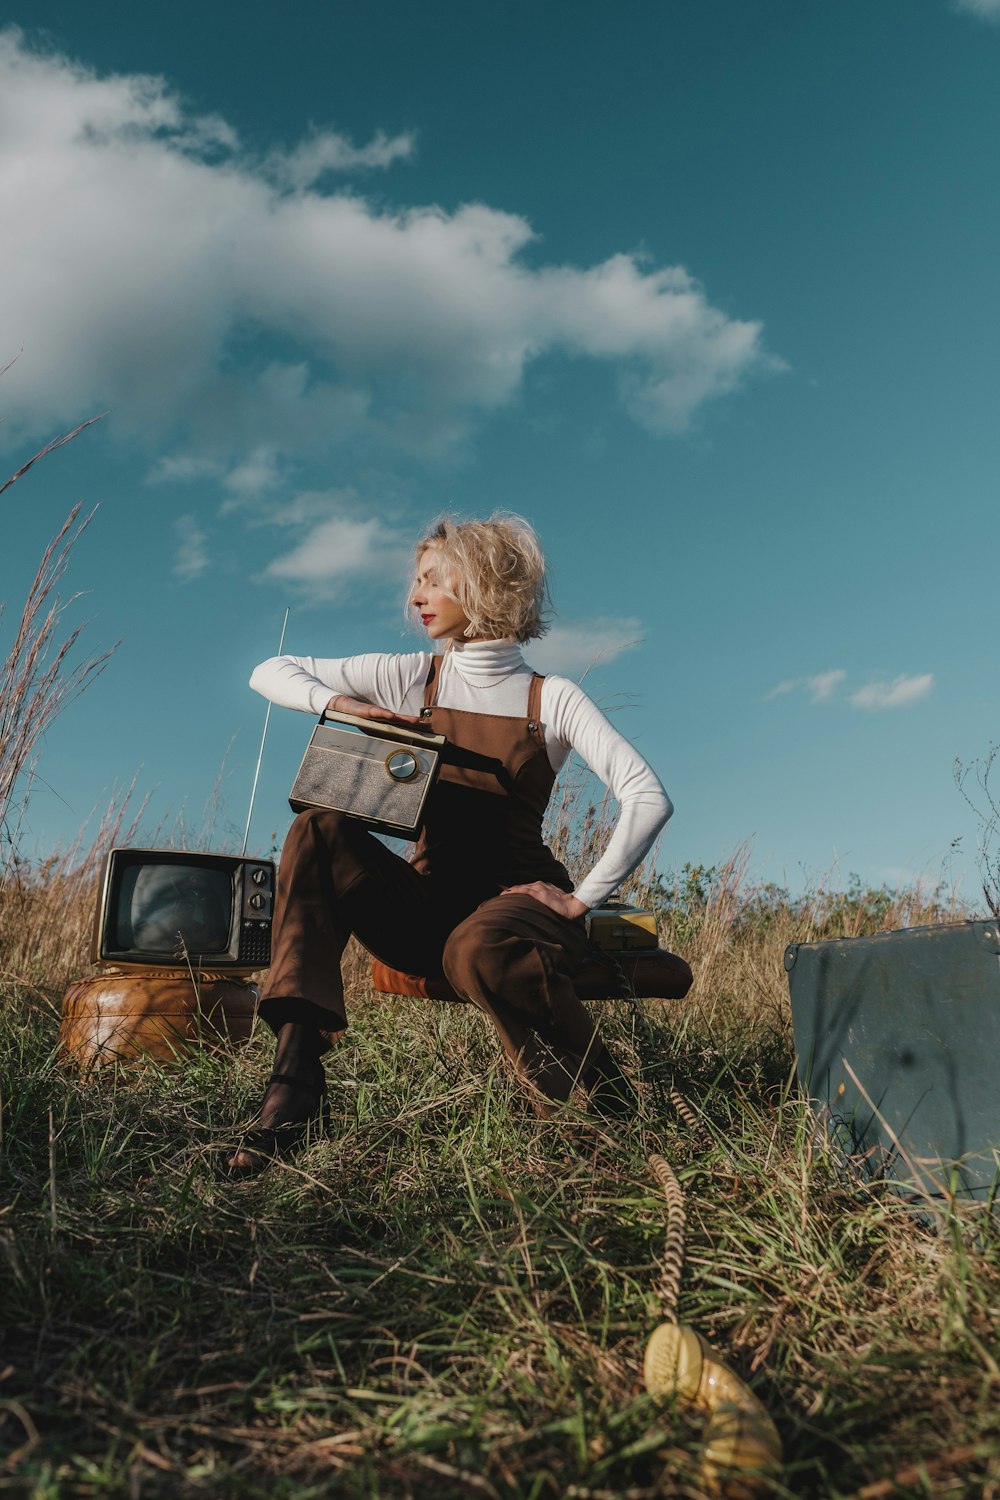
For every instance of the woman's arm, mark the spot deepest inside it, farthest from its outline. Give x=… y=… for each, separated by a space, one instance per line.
x=310 y=683
x=644 y=807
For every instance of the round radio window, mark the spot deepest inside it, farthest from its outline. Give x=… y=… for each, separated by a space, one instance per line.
x=402 y=765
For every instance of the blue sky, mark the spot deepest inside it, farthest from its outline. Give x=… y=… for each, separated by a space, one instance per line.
x=707 y=292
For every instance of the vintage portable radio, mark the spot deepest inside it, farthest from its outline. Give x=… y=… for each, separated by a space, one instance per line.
x=617 y=928
x=378 y=773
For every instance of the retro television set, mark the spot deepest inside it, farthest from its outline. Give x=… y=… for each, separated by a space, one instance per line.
x=170 y=908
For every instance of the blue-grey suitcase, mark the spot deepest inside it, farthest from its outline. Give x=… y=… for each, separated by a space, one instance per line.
x=898 y=1042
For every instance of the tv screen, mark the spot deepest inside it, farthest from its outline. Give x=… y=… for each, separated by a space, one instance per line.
x=173 y=907
x=164 y=908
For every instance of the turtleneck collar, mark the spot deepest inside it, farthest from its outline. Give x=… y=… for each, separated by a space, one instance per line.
x=485 y=661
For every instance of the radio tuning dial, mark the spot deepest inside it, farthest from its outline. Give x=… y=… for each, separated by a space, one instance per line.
x=259 y=877
x=402 y=765
x=257 y=901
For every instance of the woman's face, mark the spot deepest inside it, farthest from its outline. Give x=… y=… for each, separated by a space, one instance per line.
x=441 y=616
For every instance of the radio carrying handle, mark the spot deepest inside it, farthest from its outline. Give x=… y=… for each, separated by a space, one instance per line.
x=384 y=730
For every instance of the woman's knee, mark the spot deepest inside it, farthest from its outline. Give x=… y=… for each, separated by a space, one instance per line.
x=469 y=955
x=317 y=824
x=320 y=817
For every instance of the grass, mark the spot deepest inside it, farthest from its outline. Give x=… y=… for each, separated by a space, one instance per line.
x=449 y=1297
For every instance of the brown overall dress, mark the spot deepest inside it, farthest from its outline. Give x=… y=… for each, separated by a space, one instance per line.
x=447 y=912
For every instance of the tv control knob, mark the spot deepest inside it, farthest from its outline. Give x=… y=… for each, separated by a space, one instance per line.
x=259 y=877
x=257 y=900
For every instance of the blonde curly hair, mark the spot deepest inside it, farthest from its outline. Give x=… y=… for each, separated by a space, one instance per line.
x=495 y=570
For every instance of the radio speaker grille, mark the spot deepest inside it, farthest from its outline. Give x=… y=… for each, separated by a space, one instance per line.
x=349 y=773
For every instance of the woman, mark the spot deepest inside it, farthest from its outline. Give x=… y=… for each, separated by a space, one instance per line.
x=483 y=901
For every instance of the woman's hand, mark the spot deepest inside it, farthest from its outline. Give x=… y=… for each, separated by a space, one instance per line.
x=340 y=703
x=562 y=902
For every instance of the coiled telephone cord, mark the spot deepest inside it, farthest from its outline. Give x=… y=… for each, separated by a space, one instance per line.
x=741 y=1456
x=672 y=1255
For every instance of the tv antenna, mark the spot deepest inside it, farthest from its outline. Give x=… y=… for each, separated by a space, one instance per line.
x=260 y=752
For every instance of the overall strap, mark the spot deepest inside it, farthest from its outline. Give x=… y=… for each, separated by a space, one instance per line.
x=535 y=698
x=430 y=686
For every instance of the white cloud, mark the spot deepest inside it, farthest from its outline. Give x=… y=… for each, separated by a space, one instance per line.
x=192 y=552
x=183 y=469
x=259 y=474
x=571 y=649
x=336 y=550
x=819 y=688
x=898 y=693
x=306 y=508
x=327 y=151
x=986 y=10
x=144 y=249
x=825 y=684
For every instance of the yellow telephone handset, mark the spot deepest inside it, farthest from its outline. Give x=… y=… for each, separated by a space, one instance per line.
x=742 y=1452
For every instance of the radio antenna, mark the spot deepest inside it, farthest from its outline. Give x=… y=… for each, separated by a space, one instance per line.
x=260 y=752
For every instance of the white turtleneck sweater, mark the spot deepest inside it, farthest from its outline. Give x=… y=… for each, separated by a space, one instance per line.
x=493 y=677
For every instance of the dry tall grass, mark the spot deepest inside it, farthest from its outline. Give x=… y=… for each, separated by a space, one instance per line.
x=47 y=908
x=37 y=680
x=449 y=1297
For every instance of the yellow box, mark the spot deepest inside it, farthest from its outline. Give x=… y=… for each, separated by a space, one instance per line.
x=617 y=928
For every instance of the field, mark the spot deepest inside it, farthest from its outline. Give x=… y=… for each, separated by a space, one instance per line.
x=448 y=1296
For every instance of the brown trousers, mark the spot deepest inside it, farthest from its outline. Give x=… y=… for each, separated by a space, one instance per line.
x=510 y=955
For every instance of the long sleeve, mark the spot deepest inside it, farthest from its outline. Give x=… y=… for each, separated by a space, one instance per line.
x=575 y=721
x=309 y=682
